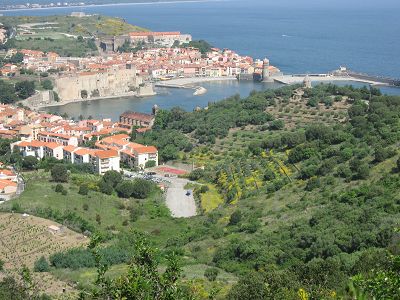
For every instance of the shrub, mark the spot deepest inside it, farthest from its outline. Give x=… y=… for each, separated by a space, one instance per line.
x=211 y=274
x=30 y=163
x=125 y=189
x=64 y=192
x=59 y=173
x=105 y=187
x=150 y=164
x=59 y=188
x=235 y=218
x=83 y=190
x=85 y=207
x=141 y=188
x=112 y=178
x=41 y=265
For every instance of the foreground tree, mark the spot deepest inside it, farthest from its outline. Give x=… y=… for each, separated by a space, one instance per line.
x=143 y=279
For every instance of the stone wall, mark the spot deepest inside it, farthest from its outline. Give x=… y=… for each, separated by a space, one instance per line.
x=94 y=85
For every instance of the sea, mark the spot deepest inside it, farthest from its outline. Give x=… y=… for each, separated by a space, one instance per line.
x=298 y=36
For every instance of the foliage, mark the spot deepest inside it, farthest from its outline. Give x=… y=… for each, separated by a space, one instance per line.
x=143 y=279
x=47 y=84
x=59 y=173
x=83 y=190
x=381 y=283
x=25 y=89
x=211 y=274
x=30 y=163
x=113 y=178
x=41 y=265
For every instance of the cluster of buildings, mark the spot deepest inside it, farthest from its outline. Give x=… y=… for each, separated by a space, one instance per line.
x=46 y=135
x=9 y=181
x=139 y=67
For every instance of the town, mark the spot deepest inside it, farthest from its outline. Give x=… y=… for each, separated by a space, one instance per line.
x=44 y=135
x=125 y=65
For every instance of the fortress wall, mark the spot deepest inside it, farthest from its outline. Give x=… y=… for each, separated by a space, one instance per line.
x=111 y=83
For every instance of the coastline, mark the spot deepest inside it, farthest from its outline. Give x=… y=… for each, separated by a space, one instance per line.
x=108 y=4
x=63 y=103
x=177 y=83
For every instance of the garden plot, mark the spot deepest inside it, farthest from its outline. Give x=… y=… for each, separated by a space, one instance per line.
x=25 y=239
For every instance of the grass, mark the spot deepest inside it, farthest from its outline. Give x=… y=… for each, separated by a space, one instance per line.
x=211 y=199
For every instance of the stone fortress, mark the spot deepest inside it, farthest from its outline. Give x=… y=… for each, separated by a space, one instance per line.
x=108 y=83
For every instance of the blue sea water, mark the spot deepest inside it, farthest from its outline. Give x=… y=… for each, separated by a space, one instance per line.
x=298 y=36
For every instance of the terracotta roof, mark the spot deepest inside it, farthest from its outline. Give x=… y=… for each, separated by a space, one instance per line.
x=70 y=148
x=4 y=183
x=7 y=172
x=102 y=154
x=84 y=151
x=146 y=149
x=52 y=145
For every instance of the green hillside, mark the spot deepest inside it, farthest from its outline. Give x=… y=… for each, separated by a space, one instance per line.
x=63 y=34
x=299 y=199
x=310 y=183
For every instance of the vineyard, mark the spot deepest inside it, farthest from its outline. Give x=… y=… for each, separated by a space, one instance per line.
x=26 y=239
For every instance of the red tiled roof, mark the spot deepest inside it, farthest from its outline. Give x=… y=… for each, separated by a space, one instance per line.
x=102 y=154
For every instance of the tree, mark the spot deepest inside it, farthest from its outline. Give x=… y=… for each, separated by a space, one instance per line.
x=84 y=94
x=59 y=188
x=25 y=89
x=83 y=190
x=125 y=189
x=235 y=218
x=277 y=125
x=141 y=188
x=47 y=84
x=30 y=163
x=112 y=177
x=16 y=58
x=59 y=173
x=7 y=93
x=211 y=274
x=252 y=286
x=41 y=265
x=382 y=283
x=150 y=164
x=143 y=279
x=105 y=187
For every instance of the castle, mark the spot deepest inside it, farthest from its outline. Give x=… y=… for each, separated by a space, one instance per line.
x=107 y=83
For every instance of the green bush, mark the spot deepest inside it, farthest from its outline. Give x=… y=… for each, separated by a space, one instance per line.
x=211 y=274
x=59 y=173
x=59 y=188
x=41 y=265
x=83 y=190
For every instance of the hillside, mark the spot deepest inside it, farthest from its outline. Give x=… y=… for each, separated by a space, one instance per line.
x=61 y=33
x=298 y=194
x=308 y=185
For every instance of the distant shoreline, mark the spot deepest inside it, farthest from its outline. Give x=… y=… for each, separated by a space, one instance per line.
x=108 y=4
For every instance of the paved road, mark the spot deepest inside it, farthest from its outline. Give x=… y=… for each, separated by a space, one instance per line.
x=180 y=205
